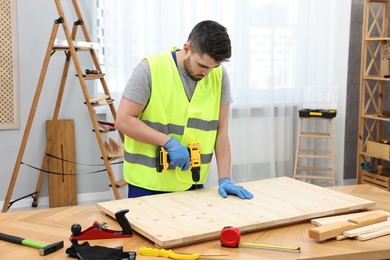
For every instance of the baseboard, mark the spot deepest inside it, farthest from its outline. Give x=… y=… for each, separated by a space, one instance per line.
x=83 y=198
x=347 y=182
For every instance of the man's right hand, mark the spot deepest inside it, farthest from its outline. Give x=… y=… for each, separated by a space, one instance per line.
x=178 y=154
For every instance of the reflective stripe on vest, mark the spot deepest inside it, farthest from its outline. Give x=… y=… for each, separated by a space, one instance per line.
x=170 y=112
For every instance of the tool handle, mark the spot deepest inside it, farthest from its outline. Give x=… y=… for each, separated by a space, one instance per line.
x=21 y=241
x=293 y=248
x=12 y=239
x=123 y=221
x=166 y=253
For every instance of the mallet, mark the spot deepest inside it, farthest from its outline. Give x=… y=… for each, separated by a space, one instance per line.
x=43 y=248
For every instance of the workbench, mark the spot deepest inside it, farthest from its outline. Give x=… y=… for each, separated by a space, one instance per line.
x=52 y=225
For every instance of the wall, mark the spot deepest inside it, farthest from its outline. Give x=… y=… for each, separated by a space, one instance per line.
x=35 y=22
x=352 y=109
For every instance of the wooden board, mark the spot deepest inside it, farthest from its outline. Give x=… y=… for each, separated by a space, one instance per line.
x=62 y=186
x=181 y=218
x=335 y=219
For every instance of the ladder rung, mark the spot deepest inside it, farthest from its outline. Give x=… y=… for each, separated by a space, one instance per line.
x=101 y=101
x=323 y=152
x=104 y=131
x=120 y=184
x=105 y=127
x=92 y=76
x=112 y=158
x=304 y=168
x=114 y=149
x=313 y=156
x=317 y=177
x=315 y=135
x=76 y=48
x=108 y=102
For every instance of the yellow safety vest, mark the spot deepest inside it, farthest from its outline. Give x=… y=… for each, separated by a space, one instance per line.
x=170 y=112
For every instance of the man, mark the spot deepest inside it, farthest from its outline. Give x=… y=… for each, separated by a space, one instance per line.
x=174 y=98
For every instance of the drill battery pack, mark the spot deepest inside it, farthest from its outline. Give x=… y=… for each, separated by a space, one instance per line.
x=323 y=113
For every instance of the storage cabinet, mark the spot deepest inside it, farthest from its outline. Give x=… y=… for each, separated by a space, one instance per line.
x=373 y=150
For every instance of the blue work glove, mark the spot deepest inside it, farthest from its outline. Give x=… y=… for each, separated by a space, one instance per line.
x=178 y=154
x=226 y=186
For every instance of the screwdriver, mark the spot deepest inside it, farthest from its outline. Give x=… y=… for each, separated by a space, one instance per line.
x=147 y=251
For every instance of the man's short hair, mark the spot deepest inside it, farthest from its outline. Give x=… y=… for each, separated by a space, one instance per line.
x=210 y=37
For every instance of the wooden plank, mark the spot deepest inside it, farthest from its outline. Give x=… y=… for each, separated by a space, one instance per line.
x=374 y=234
x=336 y=229
x=367 y=229
x=181 y=218
x=62 y=186
x=345 y=217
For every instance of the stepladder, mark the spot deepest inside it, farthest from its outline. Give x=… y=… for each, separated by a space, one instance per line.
x=111 y=149
x=314 y=158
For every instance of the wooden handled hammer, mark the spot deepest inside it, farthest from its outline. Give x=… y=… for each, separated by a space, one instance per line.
x=43 y=248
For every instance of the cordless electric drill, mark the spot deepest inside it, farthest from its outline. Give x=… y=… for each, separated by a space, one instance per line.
x=162 y=161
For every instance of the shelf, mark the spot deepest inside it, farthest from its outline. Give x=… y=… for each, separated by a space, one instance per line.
x=376 y=78
x=373 y=86
x=381 y=181
x=376 y=117
x=377 y=39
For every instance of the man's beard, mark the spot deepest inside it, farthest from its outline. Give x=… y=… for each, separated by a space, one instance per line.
x=187 y=68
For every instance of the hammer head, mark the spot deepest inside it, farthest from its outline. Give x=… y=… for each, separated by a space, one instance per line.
x=51 y=248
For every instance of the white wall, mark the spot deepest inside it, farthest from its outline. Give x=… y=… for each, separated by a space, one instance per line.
x=35 y=21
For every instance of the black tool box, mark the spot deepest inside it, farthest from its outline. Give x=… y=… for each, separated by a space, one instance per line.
x=324 y=113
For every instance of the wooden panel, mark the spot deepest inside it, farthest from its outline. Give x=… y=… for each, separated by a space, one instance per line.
x=181 y=218
x=62 y=186
x=9 y=91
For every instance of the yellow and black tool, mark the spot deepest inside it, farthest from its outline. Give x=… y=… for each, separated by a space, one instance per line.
x=324 y=113
x=147 y=251
x=162 y=161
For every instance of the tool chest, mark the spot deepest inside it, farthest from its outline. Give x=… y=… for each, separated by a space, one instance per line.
x=324 y=113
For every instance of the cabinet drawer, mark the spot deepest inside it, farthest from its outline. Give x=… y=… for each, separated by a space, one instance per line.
x=378 y=150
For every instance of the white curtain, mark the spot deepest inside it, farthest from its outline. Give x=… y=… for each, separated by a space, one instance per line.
x=287 y=54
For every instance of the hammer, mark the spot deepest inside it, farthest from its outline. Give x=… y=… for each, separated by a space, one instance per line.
x=43 y=248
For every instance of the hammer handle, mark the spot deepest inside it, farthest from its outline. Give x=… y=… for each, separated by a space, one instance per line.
x=12 y=239
x=21 y=241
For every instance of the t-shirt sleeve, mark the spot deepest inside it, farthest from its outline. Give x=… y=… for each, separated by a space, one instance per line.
x=226 y=95
x=138 y=87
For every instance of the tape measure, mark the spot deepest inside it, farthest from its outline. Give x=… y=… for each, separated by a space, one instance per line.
x=230 y=237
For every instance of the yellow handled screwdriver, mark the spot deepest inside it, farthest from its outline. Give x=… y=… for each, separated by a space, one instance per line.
x=147 y=251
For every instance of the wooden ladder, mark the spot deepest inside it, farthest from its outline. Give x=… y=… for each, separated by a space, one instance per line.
x=71 y=50
x=314 y=156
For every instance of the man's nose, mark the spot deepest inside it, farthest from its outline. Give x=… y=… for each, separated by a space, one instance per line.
x=205 y=72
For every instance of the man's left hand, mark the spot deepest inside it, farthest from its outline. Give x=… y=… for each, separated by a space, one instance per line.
x=227 y=187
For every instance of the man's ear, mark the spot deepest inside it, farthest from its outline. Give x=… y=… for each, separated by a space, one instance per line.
x=187 y=46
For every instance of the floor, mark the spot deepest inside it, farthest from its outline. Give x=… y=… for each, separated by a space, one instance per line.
x=45 y=206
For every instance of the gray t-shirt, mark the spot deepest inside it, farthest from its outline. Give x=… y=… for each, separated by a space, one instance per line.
x=139 y=86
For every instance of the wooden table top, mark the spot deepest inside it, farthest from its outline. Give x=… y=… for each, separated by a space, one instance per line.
x=52 y=225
